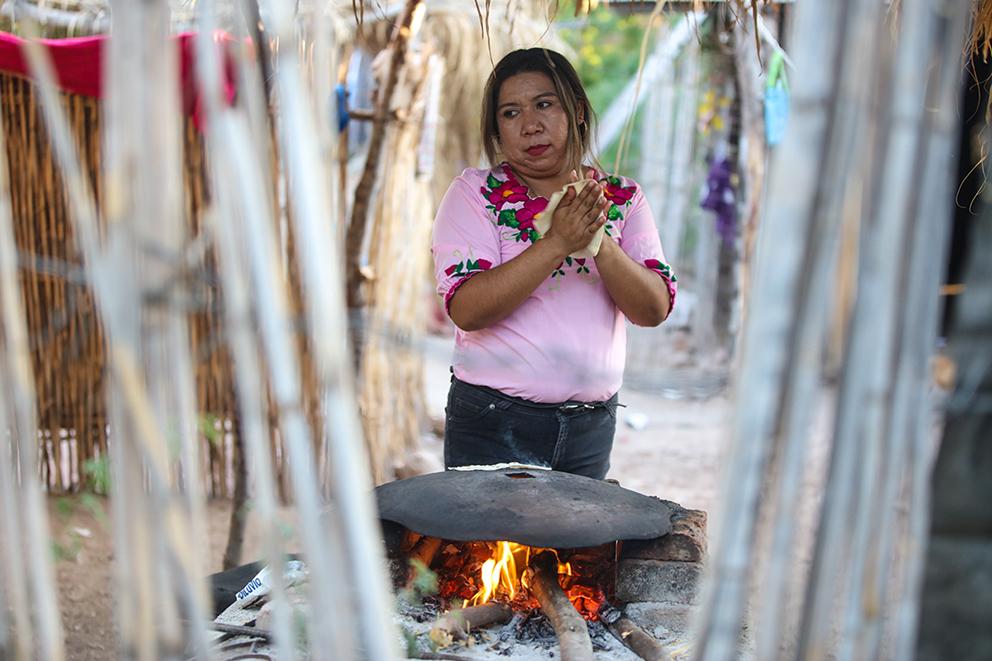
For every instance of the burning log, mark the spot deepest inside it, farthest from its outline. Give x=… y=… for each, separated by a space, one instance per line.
x=637 y=639
x=456 y=624
x=425 y=550
x=573 y=634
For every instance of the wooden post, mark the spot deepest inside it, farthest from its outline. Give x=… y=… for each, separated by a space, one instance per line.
x=355 y=239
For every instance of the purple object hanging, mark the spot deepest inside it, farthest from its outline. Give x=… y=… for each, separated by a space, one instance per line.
x=720 y=198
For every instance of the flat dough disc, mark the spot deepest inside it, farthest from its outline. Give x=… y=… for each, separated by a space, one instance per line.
x=543 y=222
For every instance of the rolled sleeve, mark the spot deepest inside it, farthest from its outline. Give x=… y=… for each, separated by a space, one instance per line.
x=641 y=242
x=465 y=241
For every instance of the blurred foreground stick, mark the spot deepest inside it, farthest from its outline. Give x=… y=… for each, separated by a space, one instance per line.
x=637 y=639
x=573 y=634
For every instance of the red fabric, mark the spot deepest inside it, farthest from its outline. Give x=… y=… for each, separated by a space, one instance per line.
x=79 y=65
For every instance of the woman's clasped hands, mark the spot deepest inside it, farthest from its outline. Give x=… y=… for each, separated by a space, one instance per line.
x=579 y=215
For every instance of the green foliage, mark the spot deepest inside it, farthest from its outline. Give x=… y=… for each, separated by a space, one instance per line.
x=210 y=428
x=607 y=44
x=423 y=584
x=97 y=471
x=412 y=646
x=64 y=507
x=66 y=552
x=95 y=506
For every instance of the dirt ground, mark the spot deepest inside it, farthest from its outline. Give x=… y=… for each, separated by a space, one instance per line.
x=81 y=531
x=665 y=447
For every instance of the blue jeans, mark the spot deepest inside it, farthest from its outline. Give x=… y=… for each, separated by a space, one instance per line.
x=484 y=426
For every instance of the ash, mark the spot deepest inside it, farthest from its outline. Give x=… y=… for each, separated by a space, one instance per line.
x=528 y=636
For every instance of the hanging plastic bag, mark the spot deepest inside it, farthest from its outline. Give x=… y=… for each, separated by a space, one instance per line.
x=776 y=100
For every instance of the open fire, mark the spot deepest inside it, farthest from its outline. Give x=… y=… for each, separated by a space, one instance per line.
x=475 y=573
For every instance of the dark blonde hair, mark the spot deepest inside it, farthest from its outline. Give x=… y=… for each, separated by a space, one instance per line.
x=568 y=87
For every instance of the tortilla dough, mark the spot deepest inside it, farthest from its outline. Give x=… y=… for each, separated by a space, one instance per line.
x=543 y=222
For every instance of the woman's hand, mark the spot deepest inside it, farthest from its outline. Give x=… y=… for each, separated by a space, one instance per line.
x=578 y=217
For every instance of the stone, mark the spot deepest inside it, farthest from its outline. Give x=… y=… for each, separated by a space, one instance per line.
x=658 y=580
x=686 y=542
x=662 y=619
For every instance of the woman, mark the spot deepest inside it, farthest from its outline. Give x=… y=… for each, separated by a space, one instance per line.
x=540 y=346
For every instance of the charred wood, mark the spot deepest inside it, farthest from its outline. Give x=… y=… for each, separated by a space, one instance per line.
x=639 y=641
x=456 y=624
x=573 y=634
x=425 y=550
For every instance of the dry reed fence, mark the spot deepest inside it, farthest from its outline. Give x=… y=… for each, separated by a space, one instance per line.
x=68 y=341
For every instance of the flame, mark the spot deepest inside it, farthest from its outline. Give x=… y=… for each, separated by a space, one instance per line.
x=503 y=577
x=500 y=575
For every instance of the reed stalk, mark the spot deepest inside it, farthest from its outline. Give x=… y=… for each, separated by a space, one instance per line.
x=842 y=158
x=14 y=574
x=327 y=323
x=777 y=333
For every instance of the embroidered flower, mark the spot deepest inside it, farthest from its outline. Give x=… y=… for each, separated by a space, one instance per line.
x=500 y=193
x=617 y=193
x=662 y=268
x=522 y=219
x=531 y=211
x=468 y=266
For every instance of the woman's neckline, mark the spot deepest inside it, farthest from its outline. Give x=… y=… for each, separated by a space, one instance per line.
x=590 y=171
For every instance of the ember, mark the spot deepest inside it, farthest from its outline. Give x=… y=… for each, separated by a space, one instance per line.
x=480 y=572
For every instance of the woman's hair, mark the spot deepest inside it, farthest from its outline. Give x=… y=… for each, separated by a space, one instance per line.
x=568 y=87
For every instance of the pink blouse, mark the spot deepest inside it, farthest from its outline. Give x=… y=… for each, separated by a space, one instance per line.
x=567 y=341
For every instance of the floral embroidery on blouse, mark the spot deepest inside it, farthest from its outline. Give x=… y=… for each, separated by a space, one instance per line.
x=578 y=262
x=501 y=193
x=661 y=268
x=468 y=266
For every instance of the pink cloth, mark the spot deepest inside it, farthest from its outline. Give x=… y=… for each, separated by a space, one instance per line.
x=78 y=64
x=567 y=341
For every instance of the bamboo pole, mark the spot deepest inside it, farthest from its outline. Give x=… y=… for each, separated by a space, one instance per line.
x=328 y=632
x=908 y=370
x=228 y=134
x=859 y=467
x=768 y=336
x=844 y=146
x=950 y=28
x=143 y=130
x=355 y=239
x=656 y=163
x=679 y=191
x=327 y=324
x=943 y=121
x=16 y=578
x=112 y=276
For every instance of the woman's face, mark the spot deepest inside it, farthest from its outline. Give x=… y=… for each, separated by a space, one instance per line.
x=533 y=125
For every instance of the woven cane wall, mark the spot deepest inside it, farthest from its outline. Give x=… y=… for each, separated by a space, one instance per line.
x=67 y=339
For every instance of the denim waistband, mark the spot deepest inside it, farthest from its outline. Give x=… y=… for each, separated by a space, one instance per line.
x=571 y=404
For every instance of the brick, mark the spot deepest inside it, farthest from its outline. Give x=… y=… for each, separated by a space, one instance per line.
x=658 y=580
x=686 y=542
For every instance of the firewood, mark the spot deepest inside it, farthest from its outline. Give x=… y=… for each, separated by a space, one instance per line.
x=639 y=641
x=455 y=624
x=573 y=634
x=425 y=550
